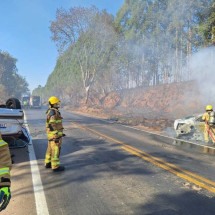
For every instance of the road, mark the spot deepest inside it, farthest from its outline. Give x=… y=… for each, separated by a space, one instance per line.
x=111 y=169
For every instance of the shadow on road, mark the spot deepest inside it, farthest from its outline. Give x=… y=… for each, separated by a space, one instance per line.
x=187 y=203
x=90 y=160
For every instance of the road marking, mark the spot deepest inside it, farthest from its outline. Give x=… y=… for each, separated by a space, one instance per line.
x=39 y=194
x=205 y=148
x=172 y=166
x=184 y=174
x=202 y=182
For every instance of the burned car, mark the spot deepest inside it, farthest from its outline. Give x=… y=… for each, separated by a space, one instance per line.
x=12 y=124
x=190 y=127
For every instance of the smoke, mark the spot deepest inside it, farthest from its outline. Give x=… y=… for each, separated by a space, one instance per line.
x=202 y=65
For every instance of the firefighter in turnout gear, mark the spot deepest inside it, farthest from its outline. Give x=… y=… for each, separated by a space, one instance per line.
x=5 y=166
x=54 y=130
x=209 y=118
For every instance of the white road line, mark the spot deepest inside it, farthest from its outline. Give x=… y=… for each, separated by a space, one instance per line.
x=40 y=199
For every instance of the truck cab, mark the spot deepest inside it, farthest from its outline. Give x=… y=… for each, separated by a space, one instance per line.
x=35 y=102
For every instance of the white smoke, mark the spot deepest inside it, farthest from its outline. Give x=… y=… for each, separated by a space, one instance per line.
x=202 y=65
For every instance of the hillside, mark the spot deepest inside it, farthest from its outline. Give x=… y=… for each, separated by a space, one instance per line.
x=155 y=108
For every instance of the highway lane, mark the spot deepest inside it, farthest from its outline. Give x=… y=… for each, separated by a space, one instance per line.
x=102 y=178
x=156 y=145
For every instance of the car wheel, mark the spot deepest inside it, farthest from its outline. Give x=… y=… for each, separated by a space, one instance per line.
x=13 y=103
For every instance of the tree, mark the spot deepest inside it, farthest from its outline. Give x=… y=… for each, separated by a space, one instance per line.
x=149 y=43
x=167 y=32
x=207 y=25
x=90 y=34
x=70 y=25
x=14 y=84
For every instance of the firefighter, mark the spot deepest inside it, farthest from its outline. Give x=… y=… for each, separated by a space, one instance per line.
x=5 y=166
x=54 y=130
x=209 y=130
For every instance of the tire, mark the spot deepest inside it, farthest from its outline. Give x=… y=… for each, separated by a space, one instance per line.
x=13 y=103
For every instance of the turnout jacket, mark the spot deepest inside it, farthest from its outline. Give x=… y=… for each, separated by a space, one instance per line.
x=54 y=124
x=5 y=164
x=206 y=117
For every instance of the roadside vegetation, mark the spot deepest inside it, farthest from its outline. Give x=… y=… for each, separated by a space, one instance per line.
x=11 y=83
x=147 y=44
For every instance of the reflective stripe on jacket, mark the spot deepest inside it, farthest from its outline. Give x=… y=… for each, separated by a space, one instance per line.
x=54 y=125
x=5 y=164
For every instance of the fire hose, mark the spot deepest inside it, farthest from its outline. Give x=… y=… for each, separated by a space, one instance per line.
x=211 y=133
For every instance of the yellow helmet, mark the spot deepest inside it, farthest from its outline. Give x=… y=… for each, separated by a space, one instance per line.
x=209 y=107
x=54 y=100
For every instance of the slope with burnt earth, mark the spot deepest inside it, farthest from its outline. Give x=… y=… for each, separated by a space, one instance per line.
x=154 y=108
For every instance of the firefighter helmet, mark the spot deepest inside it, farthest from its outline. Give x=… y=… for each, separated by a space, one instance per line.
x=209 y=108
x=54 y=100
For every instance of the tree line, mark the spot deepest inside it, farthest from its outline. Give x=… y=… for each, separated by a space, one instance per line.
x=11 y=83
x=148 y=43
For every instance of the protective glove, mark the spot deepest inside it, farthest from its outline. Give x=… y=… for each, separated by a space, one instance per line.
x=61 y=134
x=5 y=197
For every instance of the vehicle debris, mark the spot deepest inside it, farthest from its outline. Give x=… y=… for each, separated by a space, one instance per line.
x=12 y=123
x=191 y=127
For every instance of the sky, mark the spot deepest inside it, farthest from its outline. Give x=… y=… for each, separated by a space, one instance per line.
x=25 y=34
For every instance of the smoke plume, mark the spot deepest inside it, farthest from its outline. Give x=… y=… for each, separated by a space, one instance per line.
x=202 y=65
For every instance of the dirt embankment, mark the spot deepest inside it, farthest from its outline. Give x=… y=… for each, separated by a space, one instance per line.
x=154 y=108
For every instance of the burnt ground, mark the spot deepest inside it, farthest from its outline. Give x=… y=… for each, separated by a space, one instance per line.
x=153 y=108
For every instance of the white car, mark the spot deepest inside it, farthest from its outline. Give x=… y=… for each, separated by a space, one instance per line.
x=12 y=124
x=192 y=126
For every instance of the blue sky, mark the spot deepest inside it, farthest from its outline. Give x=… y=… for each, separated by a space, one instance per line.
x=25 y=34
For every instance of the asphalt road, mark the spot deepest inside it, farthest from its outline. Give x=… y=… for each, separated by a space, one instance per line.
x=110 y=169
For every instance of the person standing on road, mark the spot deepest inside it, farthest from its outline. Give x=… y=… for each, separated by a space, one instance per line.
x=54 y=130
x=209 y=118
x=5 y=166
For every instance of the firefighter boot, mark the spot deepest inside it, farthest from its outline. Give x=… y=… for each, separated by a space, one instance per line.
x=59 y=169
x=48 y=165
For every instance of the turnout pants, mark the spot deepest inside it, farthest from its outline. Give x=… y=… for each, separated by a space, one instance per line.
x=53 y=153
x=209 y=133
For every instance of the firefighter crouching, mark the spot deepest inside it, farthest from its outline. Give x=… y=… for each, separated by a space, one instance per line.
x=5 y=166
x=54 y=129
x=209 y=118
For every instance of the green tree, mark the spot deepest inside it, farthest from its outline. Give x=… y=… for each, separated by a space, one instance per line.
x=167 y=32
x=207 y=25
x=90 y=34
x=14 y=84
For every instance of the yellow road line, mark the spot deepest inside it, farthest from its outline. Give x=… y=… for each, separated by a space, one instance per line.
x=174 y=167
x=184 y=174
x=175 y=172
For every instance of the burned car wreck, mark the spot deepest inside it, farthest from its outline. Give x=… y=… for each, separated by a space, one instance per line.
x=12 y=125
x=191 y=127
